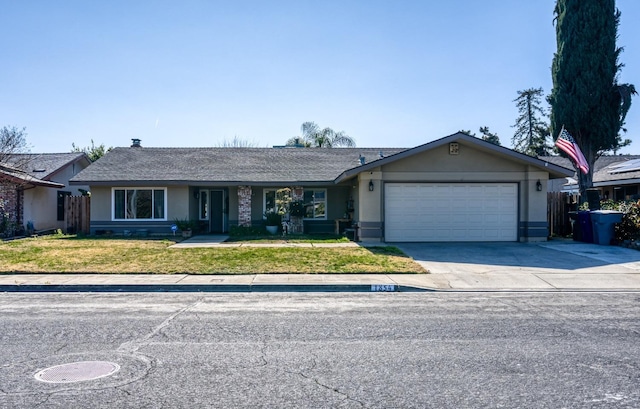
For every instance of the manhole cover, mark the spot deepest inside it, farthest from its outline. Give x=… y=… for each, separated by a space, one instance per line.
x=77 y=372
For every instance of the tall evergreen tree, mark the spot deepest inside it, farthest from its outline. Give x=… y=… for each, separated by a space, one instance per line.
x=586 y=99
x=489 y=136
x=532 y=131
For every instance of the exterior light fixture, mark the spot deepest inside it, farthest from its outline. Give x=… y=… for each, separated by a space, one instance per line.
x=371 y=186
x=539 y=186
x=196 y=195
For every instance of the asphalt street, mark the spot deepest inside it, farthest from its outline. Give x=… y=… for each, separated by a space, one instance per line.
x=297 y=350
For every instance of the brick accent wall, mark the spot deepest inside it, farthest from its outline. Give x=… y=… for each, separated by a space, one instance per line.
x=244 y=206
x=296 y=224
x=13 y=200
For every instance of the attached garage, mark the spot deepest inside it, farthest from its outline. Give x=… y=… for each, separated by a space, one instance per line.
x=432 y=212
x=457 y=188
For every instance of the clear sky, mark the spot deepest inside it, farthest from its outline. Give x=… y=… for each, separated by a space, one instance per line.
x=199 y=72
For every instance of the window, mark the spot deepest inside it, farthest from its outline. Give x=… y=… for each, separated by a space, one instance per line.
x=315 y=203
x=139 y=204
x=61 y=195
x=269 y=201
x=204 y=208
x=276 y=200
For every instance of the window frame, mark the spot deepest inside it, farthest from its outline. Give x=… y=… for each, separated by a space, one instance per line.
x=153 y=198
x=325 y=201
x=264 y=201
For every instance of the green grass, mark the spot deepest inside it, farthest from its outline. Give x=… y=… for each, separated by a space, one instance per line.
x=70 y=254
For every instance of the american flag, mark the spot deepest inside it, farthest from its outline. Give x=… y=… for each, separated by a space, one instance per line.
x=566 y=142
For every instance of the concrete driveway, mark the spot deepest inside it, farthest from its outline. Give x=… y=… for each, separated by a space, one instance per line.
x=557 y=264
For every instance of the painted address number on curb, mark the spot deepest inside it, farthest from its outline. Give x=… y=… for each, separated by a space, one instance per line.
x=382 y=287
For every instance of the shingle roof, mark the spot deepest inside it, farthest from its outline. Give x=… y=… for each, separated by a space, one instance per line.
x=43 y=165
x=226 y=165
x=601 y=171
x=8 y=172
x=604 y=175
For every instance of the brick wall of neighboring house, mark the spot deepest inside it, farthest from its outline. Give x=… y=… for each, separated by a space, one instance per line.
x=13 y=200
x=244 y=206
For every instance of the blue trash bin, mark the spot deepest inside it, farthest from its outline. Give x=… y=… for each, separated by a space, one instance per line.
x=604 y=222
x=586 y=227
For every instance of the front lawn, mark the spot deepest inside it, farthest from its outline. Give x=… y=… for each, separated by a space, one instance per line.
x=70 y=254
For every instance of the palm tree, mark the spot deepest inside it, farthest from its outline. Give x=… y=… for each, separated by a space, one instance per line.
x=313 y=136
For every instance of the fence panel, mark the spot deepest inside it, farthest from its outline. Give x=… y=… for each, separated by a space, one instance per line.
x=558 y=206
x=77 y=213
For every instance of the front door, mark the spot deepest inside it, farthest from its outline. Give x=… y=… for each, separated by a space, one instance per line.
x=217 y=211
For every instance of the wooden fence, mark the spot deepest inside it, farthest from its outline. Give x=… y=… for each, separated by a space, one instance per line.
x=77 y=213
x=558 y=207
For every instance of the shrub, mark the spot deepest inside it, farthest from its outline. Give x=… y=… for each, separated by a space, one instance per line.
x=185 y=224
x=297 y=208
x=629 y=228
x=245 y=231
x=273 y=219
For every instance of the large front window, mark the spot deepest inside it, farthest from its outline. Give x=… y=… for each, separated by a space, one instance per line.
x=315 y=203
x=139 y=204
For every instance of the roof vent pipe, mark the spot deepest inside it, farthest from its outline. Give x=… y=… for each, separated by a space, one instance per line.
x=135 y=143
x=361 y=160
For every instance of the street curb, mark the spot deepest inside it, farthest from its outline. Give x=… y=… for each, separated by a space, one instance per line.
x=208 y=288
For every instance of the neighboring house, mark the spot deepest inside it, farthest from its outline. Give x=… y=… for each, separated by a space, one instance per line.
x=458 y=188
x=616 y=176
x=35 y=191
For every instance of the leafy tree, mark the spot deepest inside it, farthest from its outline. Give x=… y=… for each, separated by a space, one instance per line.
x=298 y=142
x=586 y=99
x=532 y=132
x=489 y=136
x=314 y=136
x=93 y=152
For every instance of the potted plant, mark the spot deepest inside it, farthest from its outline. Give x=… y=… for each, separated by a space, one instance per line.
x=185 y=226
x=272 y=221
x=297 y=208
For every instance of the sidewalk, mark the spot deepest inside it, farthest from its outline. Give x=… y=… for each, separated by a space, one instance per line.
x=213 y=283
x=514 y=281
x=548 y=266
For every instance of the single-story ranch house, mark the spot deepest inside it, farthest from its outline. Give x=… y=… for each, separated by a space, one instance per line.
x=33 y=187
x=457 y=188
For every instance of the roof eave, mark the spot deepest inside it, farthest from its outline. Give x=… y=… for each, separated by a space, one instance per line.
x=554 y=170
x=216 y=183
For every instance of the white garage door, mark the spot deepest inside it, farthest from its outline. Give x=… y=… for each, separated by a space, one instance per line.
x=451 y=212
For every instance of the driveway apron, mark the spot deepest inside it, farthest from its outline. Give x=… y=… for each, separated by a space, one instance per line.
x=560 y=264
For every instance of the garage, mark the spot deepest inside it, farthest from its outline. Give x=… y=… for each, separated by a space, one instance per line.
x=423 y=212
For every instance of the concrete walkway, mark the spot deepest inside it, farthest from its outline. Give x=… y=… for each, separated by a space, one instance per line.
x=558 y=265
x=210 y=240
